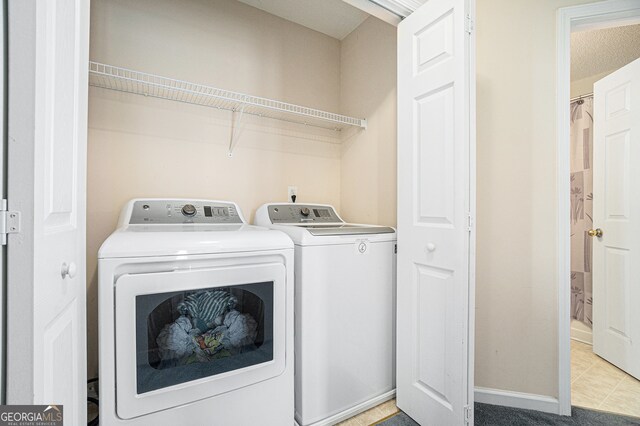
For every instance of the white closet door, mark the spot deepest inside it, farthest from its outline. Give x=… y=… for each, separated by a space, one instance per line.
x=435 y=184
x=47 y=126
x=616 y=210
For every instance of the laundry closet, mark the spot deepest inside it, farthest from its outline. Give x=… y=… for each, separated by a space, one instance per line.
x=158 y=128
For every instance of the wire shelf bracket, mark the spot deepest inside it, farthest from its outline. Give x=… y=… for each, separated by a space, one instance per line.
x=235 y=129
x=140 y=83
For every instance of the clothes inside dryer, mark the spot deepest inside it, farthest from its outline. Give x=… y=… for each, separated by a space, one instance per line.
x=188 y=335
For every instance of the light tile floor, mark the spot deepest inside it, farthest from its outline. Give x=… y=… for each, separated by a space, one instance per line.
x=596 y=384
x=373 y=415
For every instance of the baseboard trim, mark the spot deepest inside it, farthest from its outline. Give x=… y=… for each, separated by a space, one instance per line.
x=526 y=401
x=584 y=336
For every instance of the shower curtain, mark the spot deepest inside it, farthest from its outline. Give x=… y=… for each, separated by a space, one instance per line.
x=581 y=208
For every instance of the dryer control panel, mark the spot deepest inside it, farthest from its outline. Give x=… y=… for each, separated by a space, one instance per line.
x=145 y=212
x=302 y=213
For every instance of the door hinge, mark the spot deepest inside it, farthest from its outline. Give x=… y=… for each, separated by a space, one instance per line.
x=467 y=414
x=468 y=24
x=395 y=249
x=470 y=222
x=9 y=222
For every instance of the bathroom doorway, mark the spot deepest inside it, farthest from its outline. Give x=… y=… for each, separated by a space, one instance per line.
x=602 y=321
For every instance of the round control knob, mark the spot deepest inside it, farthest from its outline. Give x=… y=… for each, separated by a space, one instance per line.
x=189 y=210
x=305 y=211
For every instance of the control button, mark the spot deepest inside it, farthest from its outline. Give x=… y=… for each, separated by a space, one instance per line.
x=305 y=211
x=189 y=210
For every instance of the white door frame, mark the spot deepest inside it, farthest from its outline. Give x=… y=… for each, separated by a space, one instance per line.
x=591 y=16
x=3 y=195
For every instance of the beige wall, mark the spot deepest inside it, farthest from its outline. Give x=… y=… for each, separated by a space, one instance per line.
x=368 y=89
x=584 y=86
x=143 y=147
x=516 y=298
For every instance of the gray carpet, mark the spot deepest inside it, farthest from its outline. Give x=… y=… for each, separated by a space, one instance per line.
x=494 y=415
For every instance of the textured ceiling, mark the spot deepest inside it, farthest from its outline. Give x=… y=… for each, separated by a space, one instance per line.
x=599 y=51
x=334 y=18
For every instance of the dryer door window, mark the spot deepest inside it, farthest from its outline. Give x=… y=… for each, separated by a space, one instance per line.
x=191 y=334
x=188 y=335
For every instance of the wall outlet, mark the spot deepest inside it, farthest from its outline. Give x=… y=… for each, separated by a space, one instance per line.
x=291 y=190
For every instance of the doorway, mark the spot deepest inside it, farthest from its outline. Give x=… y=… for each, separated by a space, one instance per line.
x=596 y=381
x=593 y=43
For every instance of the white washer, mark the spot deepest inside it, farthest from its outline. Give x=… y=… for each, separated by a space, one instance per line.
x=195 y=318
x=345 y=311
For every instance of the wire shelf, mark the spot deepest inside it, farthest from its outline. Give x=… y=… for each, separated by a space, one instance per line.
x=130 y=81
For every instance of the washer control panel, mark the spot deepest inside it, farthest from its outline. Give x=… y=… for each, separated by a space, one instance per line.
x=302 y=213
x=146 y=212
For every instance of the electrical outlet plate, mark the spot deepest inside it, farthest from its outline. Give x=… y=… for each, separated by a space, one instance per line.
x=291 y=190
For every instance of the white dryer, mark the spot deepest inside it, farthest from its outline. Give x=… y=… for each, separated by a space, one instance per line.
x=345 y=311
x=195 y=318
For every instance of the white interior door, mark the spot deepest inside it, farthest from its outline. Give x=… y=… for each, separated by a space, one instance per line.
x=616 y=211
x=47 y=128
x=435 y=207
